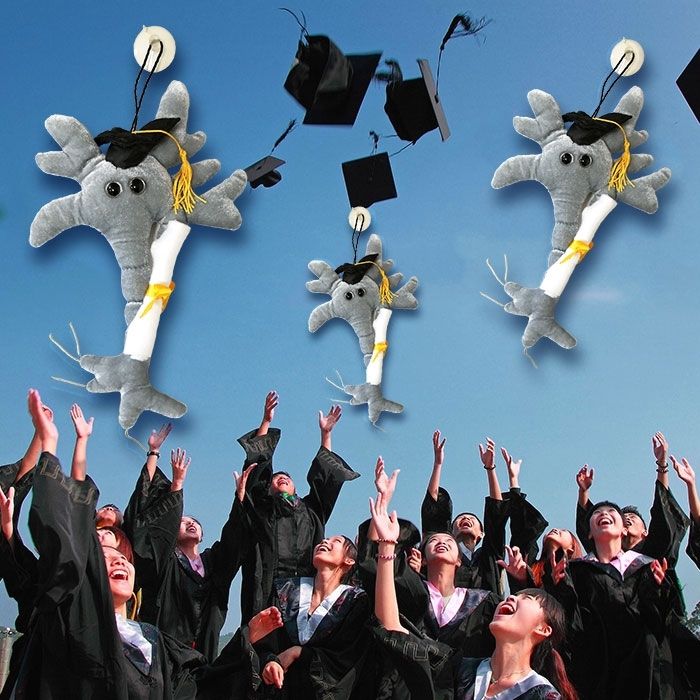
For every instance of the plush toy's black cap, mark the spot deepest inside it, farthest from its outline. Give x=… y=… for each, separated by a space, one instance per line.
x=128 y=149
x=689 y=84
x=369 y=180
x=264 y=172
x=413 y=107
x=352 y=273
x=328 y=84
x=586 y=130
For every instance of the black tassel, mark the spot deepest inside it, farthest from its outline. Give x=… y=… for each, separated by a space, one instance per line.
x=463 y=25
x=394 y=75
x=285 y=133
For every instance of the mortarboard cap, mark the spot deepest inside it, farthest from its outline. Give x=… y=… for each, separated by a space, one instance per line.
x=127 y=149
x=689 y=84
x=352 y=273
x=586 y=130
x=327 y=83
x=369 y=180
x=264 y=172
x=413 y=107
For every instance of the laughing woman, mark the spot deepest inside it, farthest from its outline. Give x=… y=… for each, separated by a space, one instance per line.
x=527 y=629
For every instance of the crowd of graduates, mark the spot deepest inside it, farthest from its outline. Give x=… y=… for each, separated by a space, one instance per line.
x=124 y=603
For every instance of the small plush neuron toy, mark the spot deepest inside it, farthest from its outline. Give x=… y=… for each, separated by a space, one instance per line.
x=576 y=167
x=145 y=215
x=361 y=294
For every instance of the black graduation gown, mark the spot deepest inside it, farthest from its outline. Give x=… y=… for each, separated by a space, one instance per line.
x=538 y=688
x=526 y=524
x=618 y=630
x=189 y=607
x=331 y=663
x=481 y=571
x=74 y=649
x=283 y=534
x=693 y=548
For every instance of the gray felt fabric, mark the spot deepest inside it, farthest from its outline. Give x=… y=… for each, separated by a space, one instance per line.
x=360 y=310
x=131 y=222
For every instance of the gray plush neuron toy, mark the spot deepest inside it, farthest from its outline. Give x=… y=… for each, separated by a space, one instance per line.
x=576 y=166
x=362 y=294
x=145 y=218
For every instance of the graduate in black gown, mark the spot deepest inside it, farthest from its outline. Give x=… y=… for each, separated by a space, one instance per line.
x=283 y=528
x=479 y=568
x=620 y=607
x=184 y=591
x=80 y=642
x=526 y=628
x=687 y=475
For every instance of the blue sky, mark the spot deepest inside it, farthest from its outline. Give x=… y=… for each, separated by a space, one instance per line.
x=236 y=325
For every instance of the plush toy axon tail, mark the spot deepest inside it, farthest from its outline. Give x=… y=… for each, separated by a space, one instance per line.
x=129 y=195
x=362 y=294
x=576 y=166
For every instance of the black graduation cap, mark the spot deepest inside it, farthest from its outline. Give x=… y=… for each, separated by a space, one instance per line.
x=327 y=83
x=413 y=106
x=689 y=84
x=369 y=180
x=127 y=149
x=264 y=172
x=352 y=273
x=586 y=130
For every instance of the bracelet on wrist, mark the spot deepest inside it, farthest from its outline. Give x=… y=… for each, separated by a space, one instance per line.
x=661 y=464
x=386 y=557
x=662 y=470
x=383 y=541
x=488 y=469
x=153 y=453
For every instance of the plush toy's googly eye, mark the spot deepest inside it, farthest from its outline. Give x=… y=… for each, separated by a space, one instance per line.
x=360 y=292
x=348 y=295
x=137 y=185
x=585 y=160
x=113 y=189
x=566 y=158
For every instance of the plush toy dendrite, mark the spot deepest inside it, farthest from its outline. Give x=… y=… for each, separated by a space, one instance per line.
x=584 y=184
x=364 y=295
x=141 y=211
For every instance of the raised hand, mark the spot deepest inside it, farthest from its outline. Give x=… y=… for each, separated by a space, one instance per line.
x=385 y=485
x=658 y=569
x=513 y=467
x=439 y=447
x=516 y=565
x=684 y=470
x=273 y=674
x=558 y=567
x=263 y=623
x=272 y=400
x=386 y=526
x=327 y=423
x=157 y=437
x=415 y=559
x=7 y=511
x=660 y=446
x=180 y=462
x=242 y=480
x=488 y=455
x=584 y=478
x=43 y=425
x=83 y=428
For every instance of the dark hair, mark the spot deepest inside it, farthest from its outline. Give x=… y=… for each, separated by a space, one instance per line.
x=123 y=545
x=467 y=512
x=546 y=658
x=191 y=517
x=600 y=504
x=120 y=515
x=281 y=472
x=351 y=552
x=430 y=535
x=635 y=510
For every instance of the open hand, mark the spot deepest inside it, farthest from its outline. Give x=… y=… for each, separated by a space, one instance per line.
x=439 y=447
x=157 y=437
x=516 y=566
x=488 y=455
x=242 y=480
x=584 y=478
x=83 y=428
x=327 y=423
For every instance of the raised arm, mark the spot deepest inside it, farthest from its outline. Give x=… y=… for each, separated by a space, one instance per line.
x=384 y=485
x=438 y=459
x=34 y=449
x=327 y=423
x=584 y=480
x=386 y=607
x=155 y=442
x=44 y=427
x=488 y=459
x=180 y=462
x=660 y=448
x=271 y=402
x=687 y=474
x=7 y=512
x=83 y=430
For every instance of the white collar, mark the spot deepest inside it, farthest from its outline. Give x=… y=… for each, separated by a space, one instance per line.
x=307 y=624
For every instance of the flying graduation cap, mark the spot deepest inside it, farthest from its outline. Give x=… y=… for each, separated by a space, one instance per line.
x=689 y=84
x=264 y=171
x=369 y=180
x=413 y=106
x=328 y=84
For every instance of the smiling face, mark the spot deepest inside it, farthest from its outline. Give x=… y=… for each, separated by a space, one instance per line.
x=467 y=526
x=121 y=575
x=107 y=538
x=441 y=548
x=560 y=539
x=335 y=552
x=606 y=523
x=636 y=529
x=520 y=617
x=282 y=483
x=108 y=516
x=190 y=531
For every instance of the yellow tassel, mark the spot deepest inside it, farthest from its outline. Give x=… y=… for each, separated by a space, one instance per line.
x=184 y=197
x=618 y=173
x=379 y=349
x=158 y=291
x=386 y=296
x=580 y=248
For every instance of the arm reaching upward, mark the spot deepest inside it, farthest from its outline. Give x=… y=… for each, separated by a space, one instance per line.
x=83 y=430
x=271 y=402
x=439 y=458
